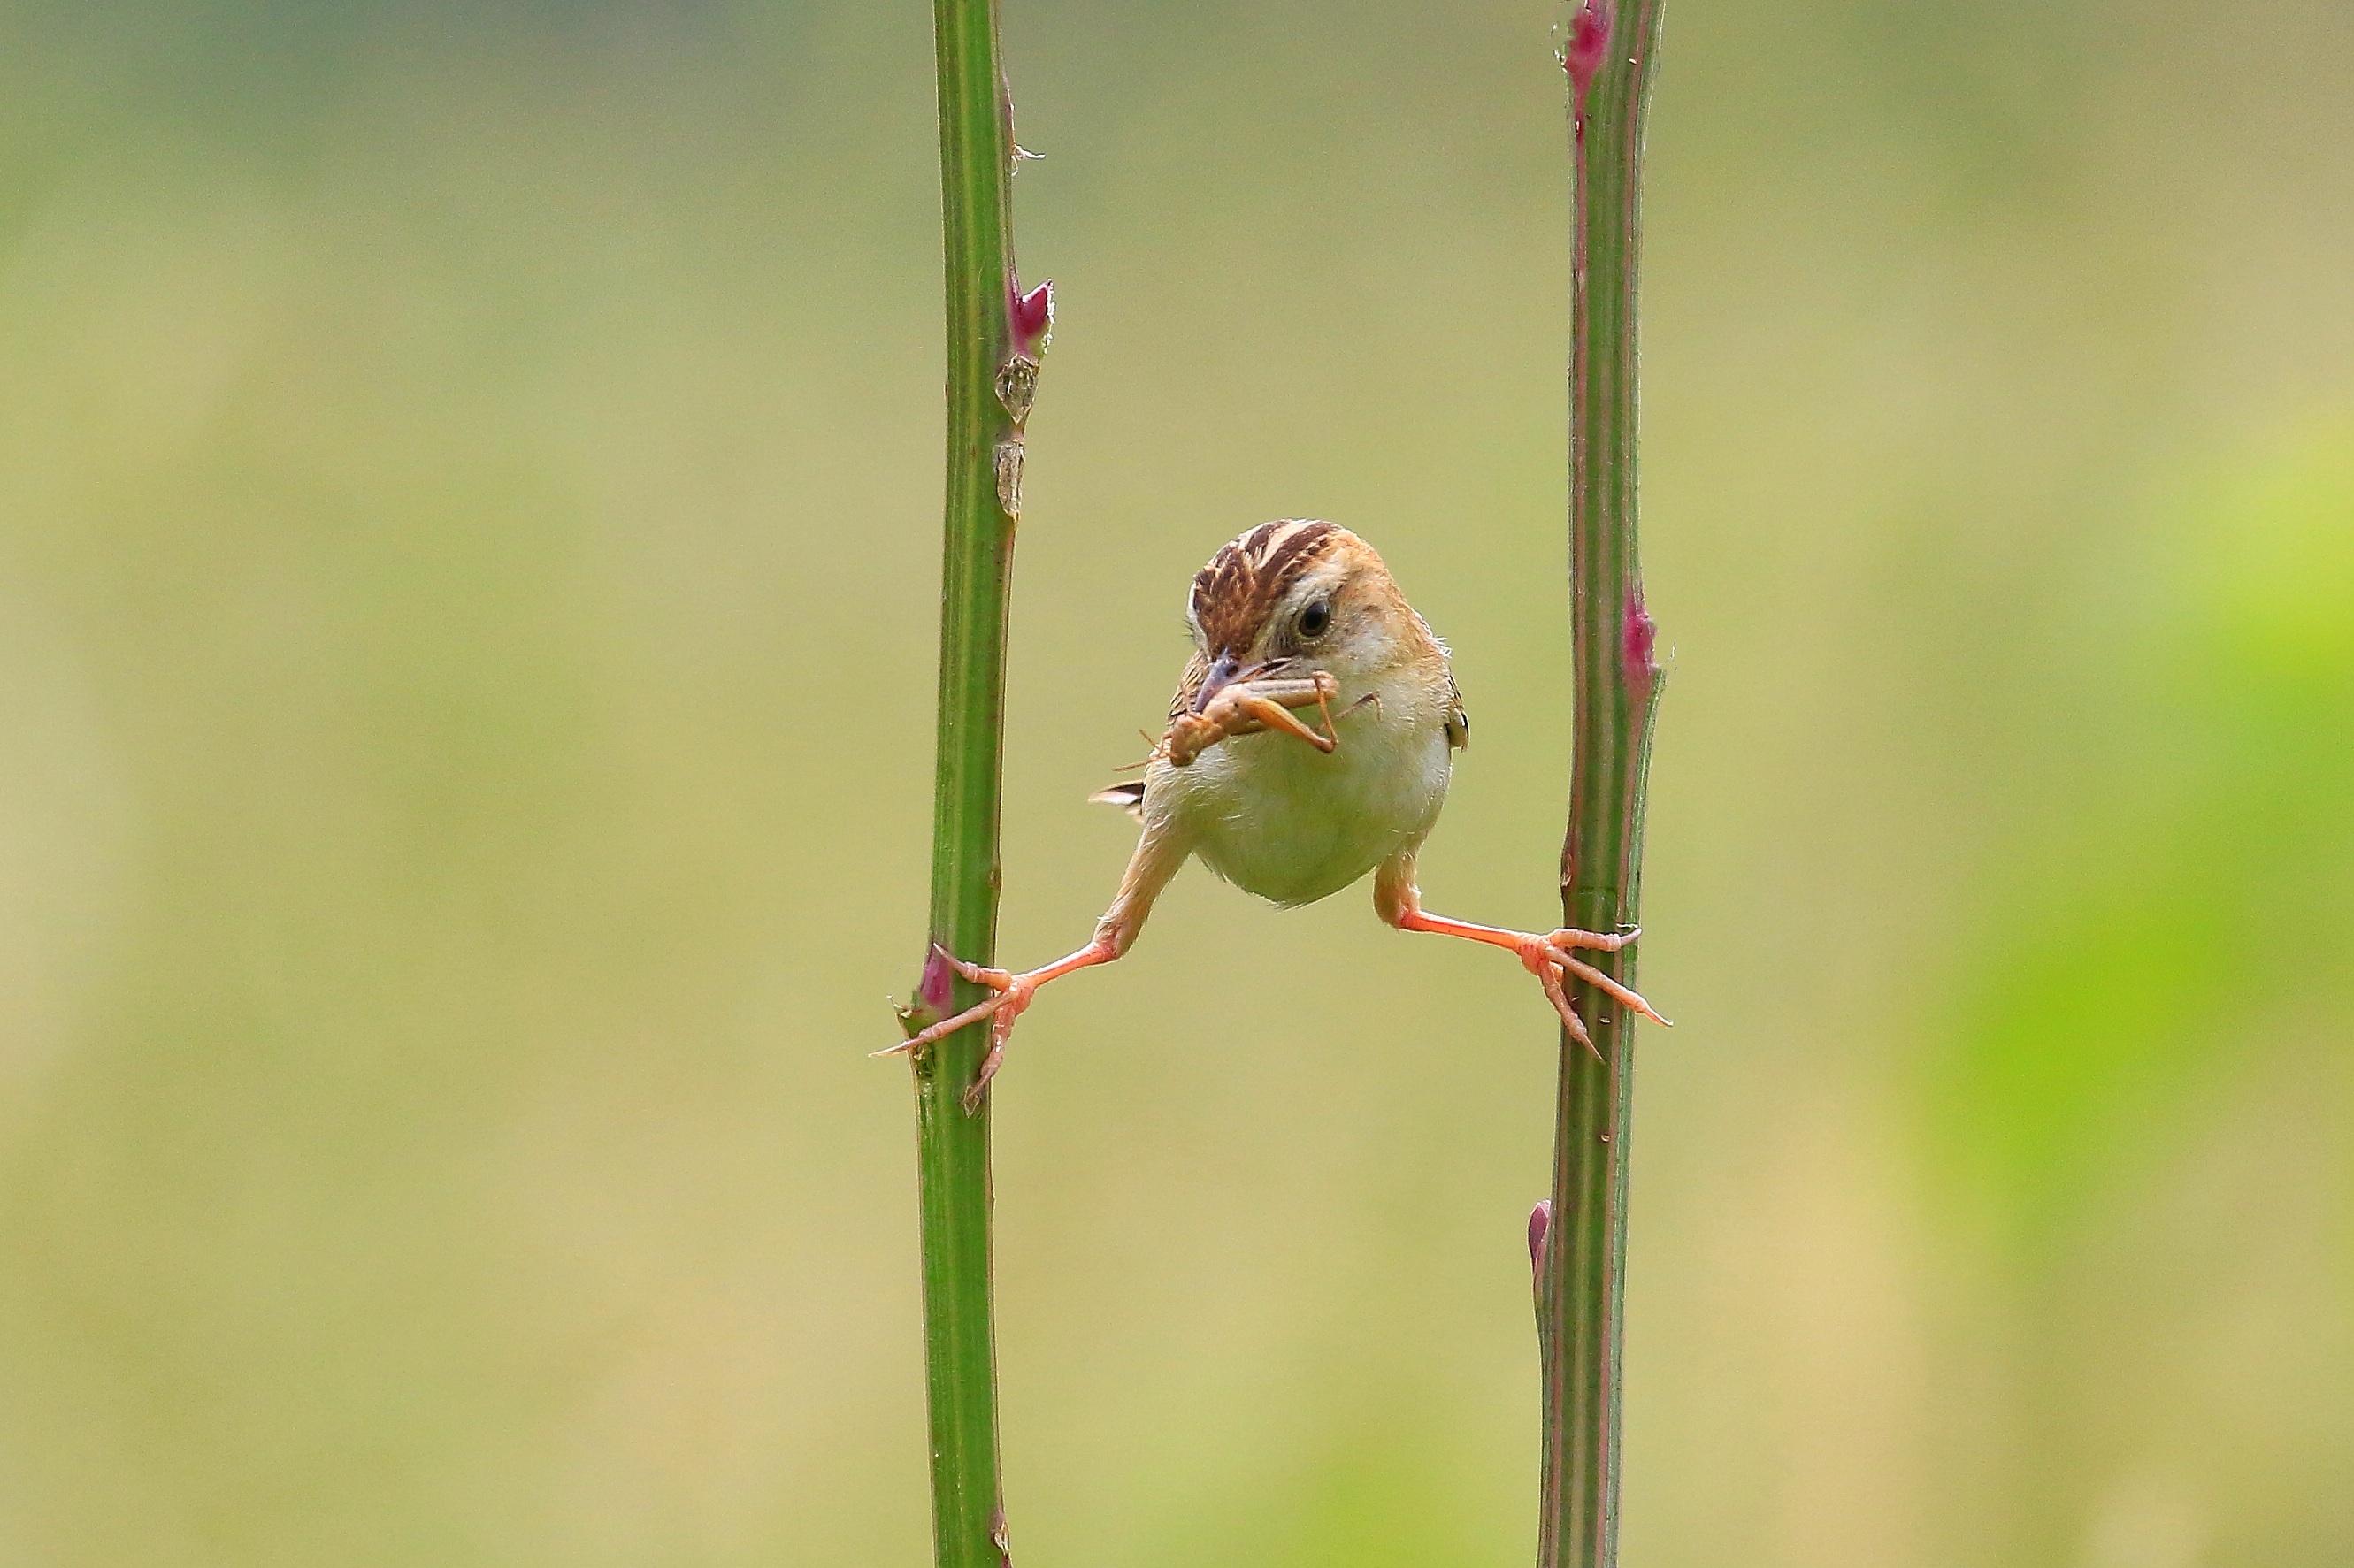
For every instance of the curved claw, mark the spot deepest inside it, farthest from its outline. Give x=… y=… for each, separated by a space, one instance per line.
x=1549 y=956
x=1540 y=965
x=995 y=979
x=1000 y=1010
x=1013 y=997
x=1000 y=1028
x=1599 y=941
x=945 y=1026
x=1603 y=982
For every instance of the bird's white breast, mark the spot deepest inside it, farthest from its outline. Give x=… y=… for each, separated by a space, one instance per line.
x=1278 y=818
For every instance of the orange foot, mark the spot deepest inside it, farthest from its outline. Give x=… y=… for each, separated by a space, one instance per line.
x=1012 y=998
x=1548 y=956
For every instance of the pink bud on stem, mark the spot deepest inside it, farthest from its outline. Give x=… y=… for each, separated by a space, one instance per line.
x=1029 y=315
x=932 y=992
x=1589 y=41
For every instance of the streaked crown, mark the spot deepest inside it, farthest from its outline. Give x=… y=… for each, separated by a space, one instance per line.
x=1248 y=578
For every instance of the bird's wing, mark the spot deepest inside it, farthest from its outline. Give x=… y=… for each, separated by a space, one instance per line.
x=1128 y=797
x=1198 y=670
x=1459 y=722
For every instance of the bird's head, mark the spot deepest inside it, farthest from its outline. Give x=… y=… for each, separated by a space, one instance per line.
x=1290 y=598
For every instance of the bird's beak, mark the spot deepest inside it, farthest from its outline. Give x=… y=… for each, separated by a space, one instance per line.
x=1222 y=676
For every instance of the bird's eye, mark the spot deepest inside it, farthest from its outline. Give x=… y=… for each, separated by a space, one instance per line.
x=1315 y=618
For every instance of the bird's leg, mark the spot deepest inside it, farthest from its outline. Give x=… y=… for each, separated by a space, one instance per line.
x=1247 y=707
x=1546 y=955
x=1158 y=855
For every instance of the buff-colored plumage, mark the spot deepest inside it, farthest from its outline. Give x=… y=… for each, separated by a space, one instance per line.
x=1285 y=820
x=1291 y=619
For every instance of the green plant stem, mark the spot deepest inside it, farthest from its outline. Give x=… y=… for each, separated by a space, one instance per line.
x=1582 y=1265
x=983 y=341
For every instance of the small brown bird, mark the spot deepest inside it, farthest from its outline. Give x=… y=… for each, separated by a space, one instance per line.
x=1290 y=616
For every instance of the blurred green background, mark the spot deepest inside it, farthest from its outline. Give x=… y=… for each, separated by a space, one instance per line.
x=469 y=533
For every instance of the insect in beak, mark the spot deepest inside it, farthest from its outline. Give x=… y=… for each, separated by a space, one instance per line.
x=1229 y=671
x=1246 y=701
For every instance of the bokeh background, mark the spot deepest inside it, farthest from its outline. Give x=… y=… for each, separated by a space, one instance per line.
x=469 y=530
